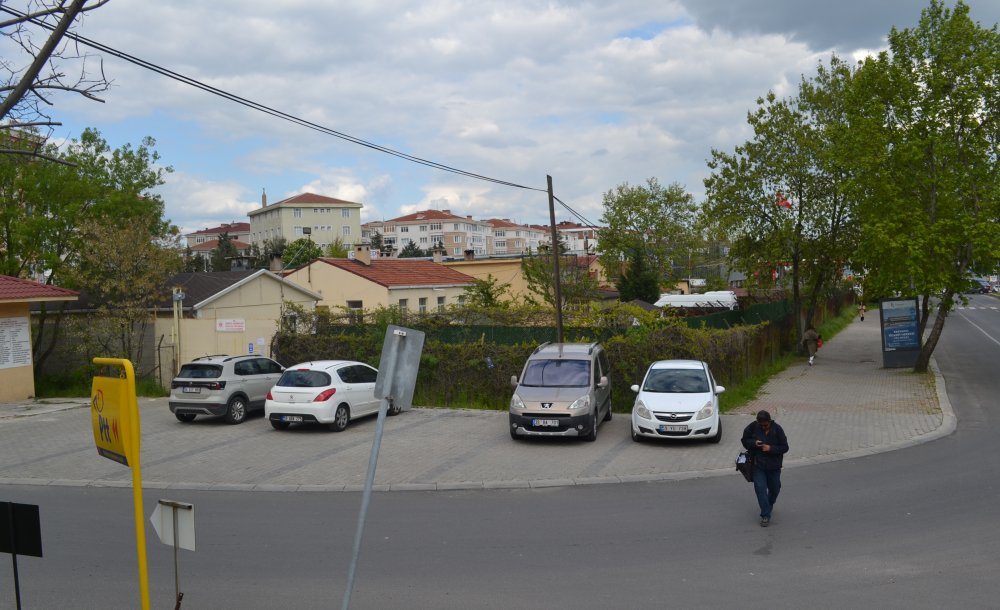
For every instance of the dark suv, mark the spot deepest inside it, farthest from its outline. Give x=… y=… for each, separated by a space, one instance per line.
x=230 y=386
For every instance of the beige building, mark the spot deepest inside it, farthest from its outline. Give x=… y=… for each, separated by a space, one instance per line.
x=425 y=229
x=233 y=312
x=320 y=218
x=504 y=270
x=511 y=238
x=361 y=282
x=17 y=378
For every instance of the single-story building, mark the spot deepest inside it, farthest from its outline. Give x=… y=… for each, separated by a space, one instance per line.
x=17 y=379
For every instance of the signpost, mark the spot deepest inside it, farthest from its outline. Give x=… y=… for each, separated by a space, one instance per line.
x=114 y=416
x=174 y=524
x=20 y=533
x=397 y=375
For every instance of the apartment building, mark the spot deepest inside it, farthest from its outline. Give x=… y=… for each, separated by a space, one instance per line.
x=579 y=239
x=203 y=243
x=325 y=218
x=430 y=227
x=512 y=238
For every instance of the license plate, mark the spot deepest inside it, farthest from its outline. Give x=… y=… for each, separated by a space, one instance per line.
x=545 y=423
x=673 y=428
x=191 y=390
x=291 y=418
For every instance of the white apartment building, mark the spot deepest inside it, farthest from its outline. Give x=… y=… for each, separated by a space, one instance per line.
x=579 y=239
x=427 y=228
x=512 y=238
x=325 y=217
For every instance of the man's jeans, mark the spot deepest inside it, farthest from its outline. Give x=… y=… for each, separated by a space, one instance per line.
x=766 y=484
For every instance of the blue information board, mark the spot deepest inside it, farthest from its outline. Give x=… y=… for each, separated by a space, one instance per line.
x=900 y=332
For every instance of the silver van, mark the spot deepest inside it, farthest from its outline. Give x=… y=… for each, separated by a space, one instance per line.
x=564 y=390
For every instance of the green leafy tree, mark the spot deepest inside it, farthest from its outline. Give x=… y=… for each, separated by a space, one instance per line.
x=376 y=243
x=411 y=250
x=337 y=249
x=928 y=139
x=638 y=281
x=488 y=293
x=271 y=248
x=652 y=218
x=576 y=284
x=224 y=253
x=300 y=252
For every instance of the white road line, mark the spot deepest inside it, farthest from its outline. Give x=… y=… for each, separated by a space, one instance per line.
x=988 y=336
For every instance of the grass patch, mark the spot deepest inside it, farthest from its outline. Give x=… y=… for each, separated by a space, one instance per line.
x=77 y=386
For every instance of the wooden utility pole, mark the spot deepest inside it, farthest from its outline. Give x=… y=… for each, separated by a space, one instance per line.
x=556 y=278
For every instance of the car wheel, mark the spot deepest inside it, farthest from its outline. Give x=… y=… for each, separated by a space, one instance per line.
x=513 y=434
x=340 y=418
x=237 y=410
x=592 y=435
x=279 y=425
x=185 y=417
x=636 y=437
x=718 y=434
x=394 y=409
x=607 y=416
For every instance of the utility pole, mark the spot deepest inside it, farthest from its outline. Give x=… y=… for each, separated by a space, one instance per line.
x=557 y=280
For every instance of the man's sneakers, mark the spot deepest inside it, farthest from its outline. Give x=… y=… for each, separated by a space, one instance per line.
x=811 y=360
x=765 y=521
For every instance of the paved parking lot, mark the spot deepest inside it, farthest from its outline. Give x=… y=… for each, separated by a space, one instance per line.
x=844 y=406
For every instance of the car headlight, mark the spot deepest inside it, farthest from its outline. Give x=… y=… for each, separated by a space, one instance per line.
x=706 y=411
x=516 y=402
x=642 y=411
x=581 y=403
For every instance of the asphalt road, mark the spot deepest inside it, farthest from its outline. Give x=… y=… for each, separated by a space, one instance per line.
x=914 y=528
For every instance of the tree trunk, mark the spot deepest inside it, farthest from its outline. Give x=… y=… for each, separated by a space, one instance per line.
x=927 y=348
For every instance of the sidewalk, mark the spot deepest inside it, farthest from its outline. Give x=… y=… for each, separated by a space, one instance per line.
x=844 y=406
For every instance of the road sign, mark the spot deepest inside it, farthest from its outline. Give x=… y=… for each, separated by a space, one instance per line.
x=398 y=366
x=168 y=512
x=20 y=529
x=112 y=403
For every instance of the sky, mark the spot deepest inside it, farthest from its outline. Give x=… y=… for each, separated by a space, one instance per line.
x=594 y=94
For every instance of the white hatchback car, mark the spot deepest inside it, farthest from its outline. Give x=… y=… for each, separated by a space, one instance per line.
x=677 y=399
x=329 y=392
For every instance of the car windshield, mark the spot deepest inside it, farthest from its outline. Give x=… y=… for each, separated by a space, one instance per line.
x=304 y=378
x=200 y=371
x=676 y=381
x=557 y=373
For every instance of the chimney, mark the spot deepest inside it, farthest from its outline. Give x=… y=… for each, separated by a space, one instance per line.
x=446 y=211
x=470 y=255
x=263 y=198
x=276 y=264
x=438 y=254
x=362 y=254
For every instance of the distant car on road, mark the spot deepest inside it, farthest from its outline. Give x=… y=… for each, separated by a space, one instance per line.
x=327 y=392
x=979 y=286
x=230 y=386
x=677 y=399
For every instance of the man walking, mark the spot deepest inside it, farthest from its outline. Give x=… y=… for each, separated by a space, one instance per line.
x=766 y=441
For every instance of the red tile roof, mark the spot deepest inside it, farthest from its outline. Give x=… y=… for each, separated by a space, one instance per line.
x=310 y=198
x=397 y=272
x=504 y=223
x=235 y=227
x=428 y=215
x=13 y=289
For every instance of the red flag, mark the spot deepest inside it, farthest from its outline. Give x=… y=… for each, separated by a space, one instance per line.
x=781 y=201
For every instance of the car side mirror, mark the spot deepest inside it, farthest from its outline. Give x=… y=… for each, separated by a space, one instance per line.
x=603 y=383
x=720 y=389
x=513 y=380
x=635 y=388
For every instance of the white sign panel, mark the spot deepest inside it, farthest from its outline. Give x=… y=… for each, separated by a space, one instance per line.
x=236 y=325
x=163 y=523
x=15 y=342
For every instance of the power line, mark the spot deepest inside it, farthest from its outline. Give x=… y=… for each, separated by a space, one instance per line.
x=265 y=109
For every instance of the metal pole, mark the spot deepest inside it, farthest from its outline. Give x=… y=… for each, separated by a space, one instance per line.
x=13 y=552
x=383 y=409
x=177 y=578
x=557 y=280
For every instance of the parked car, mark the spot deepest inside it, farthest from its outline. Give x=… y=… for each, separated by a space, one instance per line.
x=328 y=392
x=564 y=390
x=979 y=286
x=230 y=386
x=677 y=399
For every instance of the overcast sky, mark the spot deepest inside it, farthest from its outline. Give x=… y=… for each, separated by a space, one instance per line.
x=593 y=93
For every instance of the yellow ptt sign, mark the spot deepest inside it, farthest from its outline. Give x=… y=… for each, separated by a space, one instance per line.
x=112 y=407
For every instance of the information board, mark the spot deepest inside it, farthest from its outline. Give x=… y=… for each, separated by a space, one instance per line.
x=15 y=342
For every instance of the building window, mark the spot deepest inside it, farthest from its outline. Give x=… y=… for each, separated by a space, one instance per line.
x=423 y=240
x=402 y=305
x=461 y=299
x=296 y=230
x=296 y=212
x=440 y=303
x=346 y=230
x=404 y=229
x=345 y=213
x=422 y=305
x=435 y=226
x=503 y=244
x=390 y=228
x=356 y=313
x=499 y=233
x=457 y=239
x=456 y=226
x=457 y=251
x=423 y=228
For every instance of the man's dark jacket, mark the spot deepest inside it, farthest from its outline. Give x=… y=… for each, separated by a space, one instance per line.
x=772 y=459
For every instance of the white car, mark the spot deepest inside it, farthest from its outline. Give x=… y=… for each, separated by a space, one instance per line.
x=329 y=392
x=677 y=399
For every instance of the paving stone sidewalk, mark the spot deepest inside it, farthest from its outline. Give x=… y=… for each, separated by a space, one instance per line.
x=846 y=405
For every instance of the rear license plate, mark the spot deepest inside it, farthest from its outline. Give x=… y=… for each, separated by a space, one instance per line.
x=191 y=390
x=673 y=428
x=291 y=418
x=545 y=423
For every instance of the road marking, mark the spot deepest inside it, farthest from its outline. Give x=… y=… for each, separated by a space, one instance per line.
x=988 y=336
